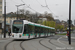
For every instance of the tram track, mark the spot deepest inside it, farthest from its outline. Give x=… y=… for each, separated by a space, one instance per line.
x=50 y=43
x=22 y=46
x=5 y=48
x=55 y=44
x=40 y=42
x=44 y=45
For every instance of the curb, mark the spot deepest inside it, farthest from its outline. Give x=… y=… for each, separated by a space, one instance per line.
x=71 y=37
x=3 y=38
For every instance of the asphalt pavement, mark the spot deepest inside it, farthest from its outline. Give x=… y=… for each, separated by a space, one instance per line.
x=57 y=42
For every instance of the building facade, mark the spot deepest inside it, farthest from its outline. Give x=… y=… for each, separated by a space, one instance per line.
x=0 y=10
x=0 y=7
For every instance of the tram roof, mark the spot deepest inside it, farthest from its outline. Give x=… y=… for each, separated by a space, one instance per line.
x=38 y=25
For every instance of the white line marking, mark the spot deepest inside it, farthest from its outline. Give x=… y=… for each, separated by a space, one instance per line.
x=59 y=41
x=71 y=37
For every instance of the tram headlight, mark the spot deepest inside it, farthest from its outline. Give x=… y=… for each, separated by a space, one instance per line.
x=12 y=35
x=20 y=35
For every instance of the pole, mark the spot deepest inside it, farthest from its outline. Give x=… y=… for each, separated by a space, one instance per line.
x=4 y=18
x=17 y=12
x=69 y=22
x=17 y=9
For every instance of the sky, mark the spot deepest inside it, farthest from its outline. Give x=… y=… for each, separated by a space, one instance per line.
x=58 y=8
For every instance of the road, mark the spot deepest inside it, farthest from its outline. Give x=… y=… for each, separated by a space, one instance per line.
x=47 y=43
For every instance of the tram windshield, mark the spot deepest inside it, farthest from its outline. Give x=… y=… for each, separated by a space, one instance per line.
x=17 y=27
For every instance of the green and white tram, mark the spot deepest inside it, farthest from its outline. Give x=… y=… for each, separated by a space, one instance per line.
x=25 y=29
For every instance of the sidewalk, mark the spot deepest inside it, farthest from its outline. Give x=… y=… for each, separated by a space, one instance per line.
x=72 y=38
x=66 y=42
x=62 y=43
x=2 y=36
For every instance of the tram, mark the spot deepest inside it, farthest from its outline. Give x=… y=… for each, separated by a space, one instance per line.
x=26 y=29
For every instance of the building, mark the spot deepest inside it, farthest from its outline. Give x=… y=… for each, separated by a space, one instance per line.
x=0 y=10
x=8 y=20
x=10 y=16
x=64 y=23
x=0 y=13
x=57 y=21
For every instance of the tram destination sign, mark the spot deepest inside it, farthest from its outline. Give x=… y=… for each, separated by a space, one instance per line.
x=18 y=22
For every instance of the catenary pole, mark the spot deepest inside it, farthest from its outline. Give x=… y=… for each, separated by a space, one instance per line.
x=17 y=12
x=4 y=18
x=69 y=22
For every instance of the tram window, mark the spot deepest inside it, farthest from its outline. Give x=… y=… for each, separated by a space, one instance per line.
x=44 y=30
x=52 y=30
x=30 y=28
x=36 y=29
x=25 y=29
x=41 y=29
x=49 y=30
x=17 y=29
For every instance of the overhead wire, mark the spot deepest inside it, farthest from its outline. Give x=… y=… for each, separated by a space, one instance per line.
x=39 y=3
x=46 y=3
x=46 y=7
x=26 y=5
x=29 y=6
x=15 y=2
x=49 y=8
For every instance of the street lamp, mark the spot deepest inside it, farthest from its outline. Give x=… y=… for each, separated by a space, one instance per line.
x=17 y=9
